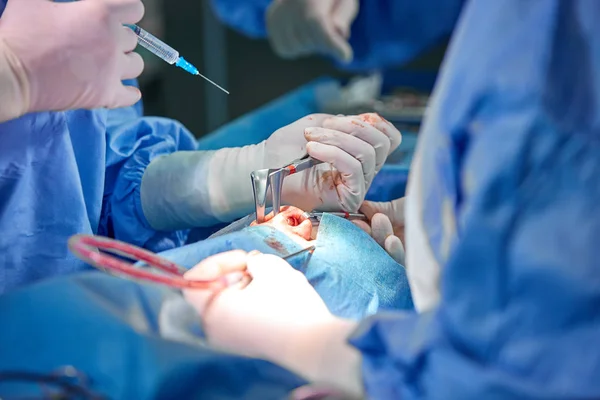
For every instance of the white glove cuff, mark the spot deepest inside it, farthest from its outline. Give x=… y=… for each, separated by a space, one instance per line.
x=188 y=189
x=174 y=193
x=229 y=184
x=14 y=85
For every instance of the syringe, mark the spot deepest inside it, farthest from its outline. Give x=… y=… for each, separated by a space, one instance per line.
x=166 y=52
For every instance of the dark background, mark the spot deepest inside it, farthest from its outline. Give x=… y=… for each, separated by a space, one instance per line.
x=247 y=68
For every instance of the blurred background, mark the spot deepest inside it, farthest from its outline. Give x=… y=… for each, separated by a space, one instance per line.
x=248 y=68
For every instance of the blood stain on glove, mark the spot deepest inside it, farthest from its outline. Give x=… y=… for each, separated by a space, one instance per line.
x=332 y=178
x=357 y=124
x=373 y=119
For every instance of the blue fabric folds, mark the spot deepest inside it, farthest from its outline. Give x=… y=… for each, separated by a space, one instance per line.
x=350 y=271
x=132 y=341
x=510 y=173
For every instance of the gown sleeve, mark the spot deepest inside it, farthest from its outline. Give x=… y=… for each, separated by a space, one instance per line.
x=132 y=142
x=514 y=154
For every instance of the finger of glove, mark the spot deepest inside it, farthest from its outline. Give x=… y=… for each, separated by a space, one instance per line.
x=128 y=40
x=344 y=13
x=394 y=247
x=132 y=65
x=383 y=125
x=287 y=44
x=213 y=267
x=276 y=30
x=268 y=268
x=348 y=181
x=364 y=226
x=218 y=265
x=357 y=148
x=370 y=208
x=304 y=44
x=394 y=210
x=329 y=40
x=381 y=228
x=365 y=132
x=126 y=11
x=125 y=96
x=295 y=42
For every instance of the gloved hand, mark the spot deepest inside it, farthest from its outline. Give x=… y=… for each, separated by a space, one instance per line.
x=277 y=302
x=274 y=315
x=303 y=27
x=386 y=226
x=187 y=189
x=353 y=149
x=58 y=56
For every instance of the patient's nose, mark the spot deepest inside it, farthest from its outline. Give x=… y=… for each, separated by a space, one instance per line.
x=294 y=219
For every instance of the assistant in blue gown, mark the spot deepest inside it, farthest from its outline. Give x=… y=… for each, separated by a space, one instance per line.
x=513 y=153
x=386 y=33
x=63 y=173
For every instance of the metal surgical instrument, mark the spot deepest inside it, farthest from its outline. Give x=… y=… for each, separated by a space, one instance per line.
x=100 y=252
x=263 y=179
x=315 y=217
x=309 y=249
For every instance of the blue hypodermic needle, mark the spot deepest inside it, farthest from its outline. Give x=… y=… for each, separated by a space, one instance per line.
x=166 y=52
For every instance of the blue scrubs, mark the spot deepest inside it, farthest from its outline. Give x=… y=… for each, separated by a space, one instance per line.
x=386 y=33
x=63 y=173
x=513 y=154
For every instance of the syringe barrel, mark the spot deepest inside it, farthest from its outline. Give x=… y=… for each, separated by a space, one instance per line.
x=155 y=45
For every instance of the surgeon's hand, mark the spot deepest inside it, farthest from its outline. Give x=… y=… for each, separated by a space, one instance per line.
x=386 y=226
x=302 y=27
x=198 y=188
x=263 y=317
x=70 y=55
x=353 y=149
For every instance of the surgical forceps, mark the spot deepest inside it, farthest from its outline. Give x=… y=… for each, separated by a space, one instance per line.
x=262 y=179
x=100 y=252
x=309 y=250
x=315 y=217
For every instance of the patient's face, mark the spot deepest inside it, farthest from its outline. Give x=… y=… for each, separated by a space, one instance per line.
x=292 y=222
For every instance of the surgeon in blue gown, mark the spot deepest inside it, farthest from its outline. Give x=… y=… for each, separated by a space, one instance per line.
x=360 y=35
x=119 y=174
x=501 y=215
x=501 y=209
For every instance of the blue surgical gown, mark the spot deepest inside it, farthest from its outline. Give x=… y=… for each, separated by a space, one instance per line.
x=63 y=173
x=513 y=151
x=386 y=33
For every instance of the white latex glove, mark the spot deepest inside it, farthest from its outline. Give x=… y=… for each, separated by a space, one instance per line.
x=353 y=148
x=58 y=56
x=386 y=226
x=187 y=189
x=302 y=27
x=275 y=315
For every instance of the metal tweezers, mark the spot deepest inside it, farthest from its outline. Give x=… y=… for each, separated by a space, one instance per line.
x=262 y=179
x=309 y=250
x=315 y=217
